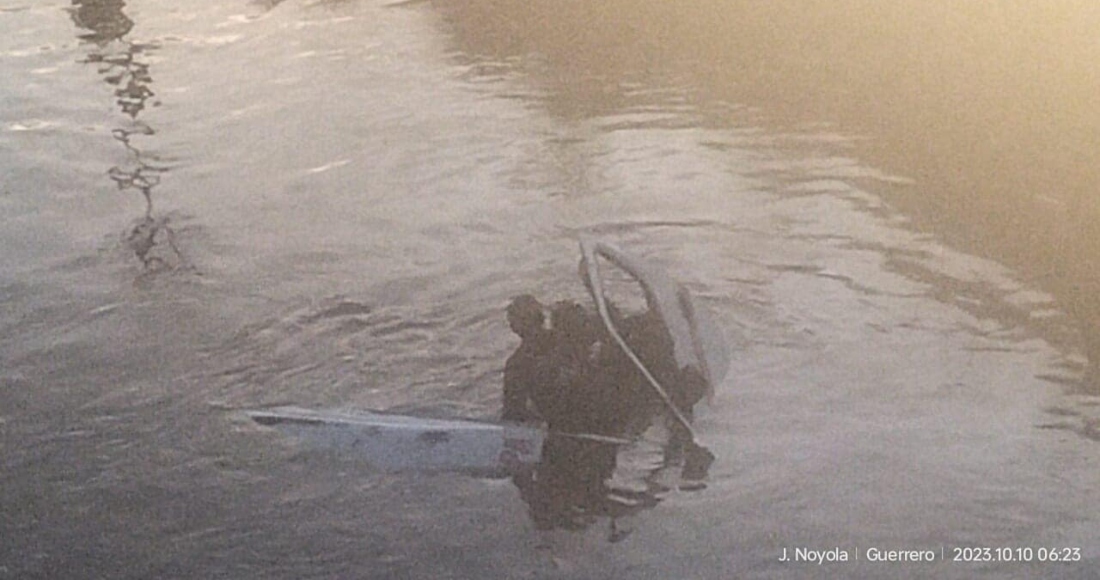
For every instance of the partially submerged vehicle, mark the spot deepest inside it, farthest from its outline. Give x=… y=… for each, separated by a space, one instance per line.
x=393 y=442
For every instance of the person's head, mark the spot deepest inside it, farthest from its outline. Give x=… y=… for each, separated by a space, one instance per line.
x=570 y=320
x=525 y=316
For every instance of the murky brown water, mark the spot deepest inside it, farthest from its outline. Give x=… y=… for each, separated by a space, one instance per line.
x=222 y=205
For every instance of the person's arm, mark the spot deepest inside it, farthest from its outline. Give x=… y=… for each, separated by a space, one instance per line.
x=516 y=391
x=530 y=376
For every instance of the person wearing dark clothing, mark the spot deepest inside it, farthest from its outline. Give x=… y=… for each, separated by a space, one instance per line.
x=598 y=379
x=574 y=377
x=523 y=369
x=557 y=375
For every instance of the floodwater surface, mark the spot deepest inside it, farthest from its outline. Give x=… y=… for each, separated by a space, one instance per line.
x=220 y=205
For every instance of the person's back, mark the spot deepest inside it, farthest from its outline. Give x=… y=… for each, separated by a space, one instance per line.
x=566 y=393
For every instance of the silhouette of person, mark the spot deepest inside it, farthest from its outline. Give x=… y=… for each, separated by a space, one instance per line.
x=570 y=374
x=575 y=378
x=523 y=369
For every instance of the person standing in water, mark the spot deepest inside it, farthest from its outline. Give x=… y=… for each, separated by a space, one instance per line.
x=524 y=368
x=573 y=376
x=600 y=377
x=569 y=374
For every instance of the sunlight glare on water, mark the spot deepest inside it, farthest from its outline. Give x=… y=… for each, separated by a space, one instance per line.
x=228 y=205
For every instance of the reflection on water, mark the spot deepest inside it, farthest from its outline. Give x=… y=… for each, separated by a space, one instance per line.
x=378 y=182
x=120 y=62
x=988 y=110
x=103 y=18
x=607 y=375
x=569 y=487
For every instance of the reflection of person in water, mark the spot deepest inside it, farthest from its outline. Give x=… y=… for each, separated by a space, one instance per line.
x=576 y=379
